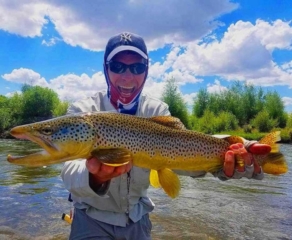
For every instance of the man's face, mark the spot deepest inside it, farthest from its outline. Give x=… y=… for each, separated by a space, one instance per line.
x=126 y=83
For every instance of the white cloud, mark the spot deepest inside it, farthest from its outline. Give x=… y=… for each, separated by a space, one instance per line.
x=69 y=87
x=73 y=87
x=25 y=76
x=158 y=69
x=287 y=67
x=216 y=87
x=287 y=101
x=182 y=77
x=154 y=88
x=90 y=24
x=276 y=35
x=50 y=42
x=25 y=18
x=189 y=99
x=161 y=71
x=243 y=53
x=10 y=94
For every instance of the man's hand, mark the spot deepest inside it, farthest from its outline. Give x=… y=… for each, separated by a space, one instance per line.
x=101 y=173
x=239 y=162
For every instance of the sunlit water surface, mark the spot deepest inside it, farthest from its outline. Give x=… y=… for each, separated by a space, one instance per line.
x=32 y=201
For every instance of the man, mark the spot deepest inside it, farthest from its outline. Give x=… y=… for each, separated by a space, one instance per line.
x=111 y=202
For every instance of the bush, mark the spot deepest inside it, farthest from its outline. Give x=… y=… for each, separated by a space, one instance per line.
x=225 y=121
x=286 y=135
x=207 y=122
x=247 y=128
x=289 y=121
x=194 y=123
x=176 y=104
x=60 y=109
x=263 y=122
x=210 y=123
x=4 y=119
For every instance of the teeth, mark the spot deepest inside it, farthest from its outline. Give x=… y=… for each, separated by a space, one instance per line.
x=127 y=88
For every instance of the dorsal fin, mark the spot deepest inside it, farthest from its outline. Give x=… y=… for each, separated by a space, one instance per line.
x=169 y=121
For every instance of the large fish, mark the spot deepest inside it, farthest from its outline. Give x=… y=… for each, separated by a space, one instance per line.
x=159 y=143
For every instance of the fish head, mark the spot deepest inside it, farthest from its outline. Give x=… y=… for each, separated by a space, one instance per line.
x=62 y=139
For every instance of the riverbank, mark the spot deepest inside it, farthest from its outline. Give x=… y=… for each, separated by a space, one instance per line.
x=286 y=135
x=6 y=135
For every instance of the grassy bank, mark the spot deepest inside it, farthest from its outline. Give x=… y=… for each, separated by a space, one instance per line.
x=286 y=134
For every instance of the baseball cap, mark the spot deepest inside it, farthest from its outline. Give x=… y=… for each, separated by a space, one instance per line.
x=125 y=42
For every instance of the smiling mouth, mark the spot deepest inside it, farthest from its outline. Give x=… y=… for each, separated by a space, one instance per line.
x=126 y=90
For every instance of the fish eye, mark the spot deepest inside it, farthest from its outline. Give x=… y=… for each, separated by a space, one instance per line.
x=47 y=130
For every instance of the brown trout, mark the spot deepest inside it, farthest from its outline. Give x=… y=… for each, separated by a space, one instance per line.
x=159 y=143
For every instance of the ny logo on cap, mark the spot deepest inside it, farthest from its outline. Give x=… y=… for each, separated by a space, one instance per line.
x=126 y=37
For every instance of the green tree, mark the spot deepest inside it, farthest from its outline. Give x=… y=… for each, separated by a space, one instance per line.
x=3 y=101
x=38 y=103
x=15 y=104
x=289 y=121
x=263 y=122
x=10 y=111
x=207 y=122
x=5 y=119
x=173 y=98
x=248 y=103
x=215 y=103
x=275 y=108
x=201 y=103
x=225 y=121
x=61 y=109
x=244 y=101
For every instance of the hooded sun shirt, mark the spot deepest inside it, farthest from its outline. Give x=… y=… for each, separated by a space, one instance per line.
x=119 y=43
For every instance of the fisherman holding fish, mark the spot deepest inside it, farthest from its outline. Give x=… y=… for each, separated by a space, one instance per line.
x=111 y=202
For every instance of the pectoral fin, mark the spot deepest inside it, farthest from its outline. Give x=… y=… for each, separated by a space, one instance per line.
x=169 y=182
x=113 y=156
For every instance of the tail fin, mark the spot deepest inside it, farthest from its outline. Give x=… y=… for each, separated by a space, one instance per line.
x=274 y=162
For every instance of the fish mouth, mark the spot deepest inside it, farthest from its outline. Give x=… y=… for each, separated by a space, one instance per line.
x=38 y=159
x=48 y=156
x=20 y=133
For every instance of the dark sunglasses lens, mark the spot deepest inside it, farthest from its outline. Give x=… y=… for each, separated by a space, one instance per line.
x=117 y=67
x=137 y=68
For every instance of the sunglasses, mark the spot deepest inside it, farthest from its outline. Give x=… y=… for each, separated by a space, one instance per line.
x=119 y=68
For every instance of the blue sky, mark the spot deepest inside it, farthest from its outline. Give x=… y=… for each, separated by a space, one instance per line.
x=203 y=44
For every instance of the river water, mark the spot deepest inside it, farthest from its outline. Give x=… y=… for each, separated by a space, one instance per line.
x=32 y=201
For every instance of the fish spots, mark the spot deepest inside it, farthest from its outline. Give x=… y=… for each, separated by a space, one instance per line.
x=67 y=128
x=64 y=130
x=139 y=135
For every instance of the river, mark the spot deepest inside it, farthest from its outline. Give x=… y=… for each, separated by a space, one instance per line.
x=32 y=201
